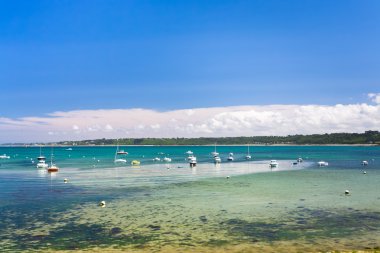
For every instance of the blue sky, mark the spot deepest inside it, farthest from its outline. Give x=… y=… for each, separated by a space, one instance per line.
x=170 y=55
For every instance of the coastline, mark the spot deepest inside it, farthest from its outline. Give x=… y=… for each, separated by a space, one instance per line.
x=208 y=145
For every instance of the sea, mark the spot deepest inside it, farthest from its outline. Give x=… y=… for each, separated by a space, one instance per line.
x=238 y=206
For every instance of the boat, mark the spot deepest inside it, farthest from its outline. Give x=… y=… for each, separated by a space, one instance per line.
x=4 y=156
x=230 y=157
x=120 y=160
x=135 y=163
x=52 y=167
x=273 y=164
x=364 y=163
x=248 y=156
x=193 y=161
x=121 y=151
x=215 y=154
x=69 y=149
x=322 y=163
x=217 y=159
x=299 y=160
x=156 y=159
x=119 y=155
x=41 y=161
x=189 y=152
x=167 y=159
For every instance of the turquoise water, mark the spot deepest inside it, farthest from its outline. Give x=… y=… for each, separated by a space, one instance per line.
x=234 y=206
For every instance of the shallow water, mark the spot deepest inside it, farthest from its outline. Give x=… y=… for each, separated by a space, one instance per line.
x=239 y=206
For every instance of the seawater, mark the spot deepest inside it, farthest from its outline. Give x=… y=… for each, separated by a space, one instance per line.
x=240 y=206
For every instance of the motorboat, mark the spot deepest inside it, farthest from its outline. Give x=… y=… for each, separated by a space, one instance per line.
x=217 y=159
x=273 y=164
x=323 y=164
x=193 y=161
x=364 y=163
x=4 y=156
x=189 y=152
x=41 y=161
x=167 y=159
x=69 y=149
x=230 y=157
x=156 y=159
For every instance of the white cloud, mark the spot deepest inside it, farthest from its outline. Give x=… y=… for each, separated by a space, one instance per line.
x=155 y=126
x=108 y=128
x=216 y=121
x=375 y=97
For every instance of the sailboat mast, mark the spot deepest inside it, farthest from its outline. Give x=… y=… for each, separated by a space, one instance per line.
x=51 y=157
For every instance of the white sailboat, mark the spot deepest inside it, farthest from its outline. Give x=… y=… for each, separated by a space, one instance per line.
x=120 y=155
x=217 y=159
x=215 y=154
x=248 y=156
x=323 y=164
x=193 y=161
x=230 y=157
x=52 y=167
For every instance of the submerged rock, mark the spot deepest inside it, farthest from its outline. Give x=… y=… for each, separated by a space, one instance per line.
x=115 y=231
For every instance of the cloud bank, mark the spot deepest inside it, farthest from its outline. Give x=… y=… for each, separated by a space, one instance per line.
x=212 y=122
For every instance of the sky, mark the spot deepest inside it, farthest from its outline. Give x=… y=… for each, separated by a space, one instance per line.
x=83 y=69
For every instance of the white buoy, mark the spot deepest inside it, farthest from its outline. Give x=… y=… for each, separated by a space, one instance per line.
x=65 y=180
x=364 y=172
x=347 y=192
x=102 y=203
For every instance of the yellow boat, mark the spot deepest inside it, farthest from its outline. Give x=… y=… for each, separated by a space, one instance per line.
x=135 y=162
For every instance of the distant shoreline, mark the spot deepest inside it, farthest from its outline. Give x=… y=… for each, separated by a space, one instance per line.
x=207 y=145
x=368 y=138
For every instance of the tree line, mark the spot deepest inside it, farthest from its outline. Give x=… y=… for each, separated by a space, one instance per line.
x=368 y=137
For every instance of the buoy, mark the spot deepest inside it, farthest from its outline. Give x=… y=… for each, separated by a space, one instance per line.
x=102 y=203
x=364 y=172
x=347 y=192
x=65 y=180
